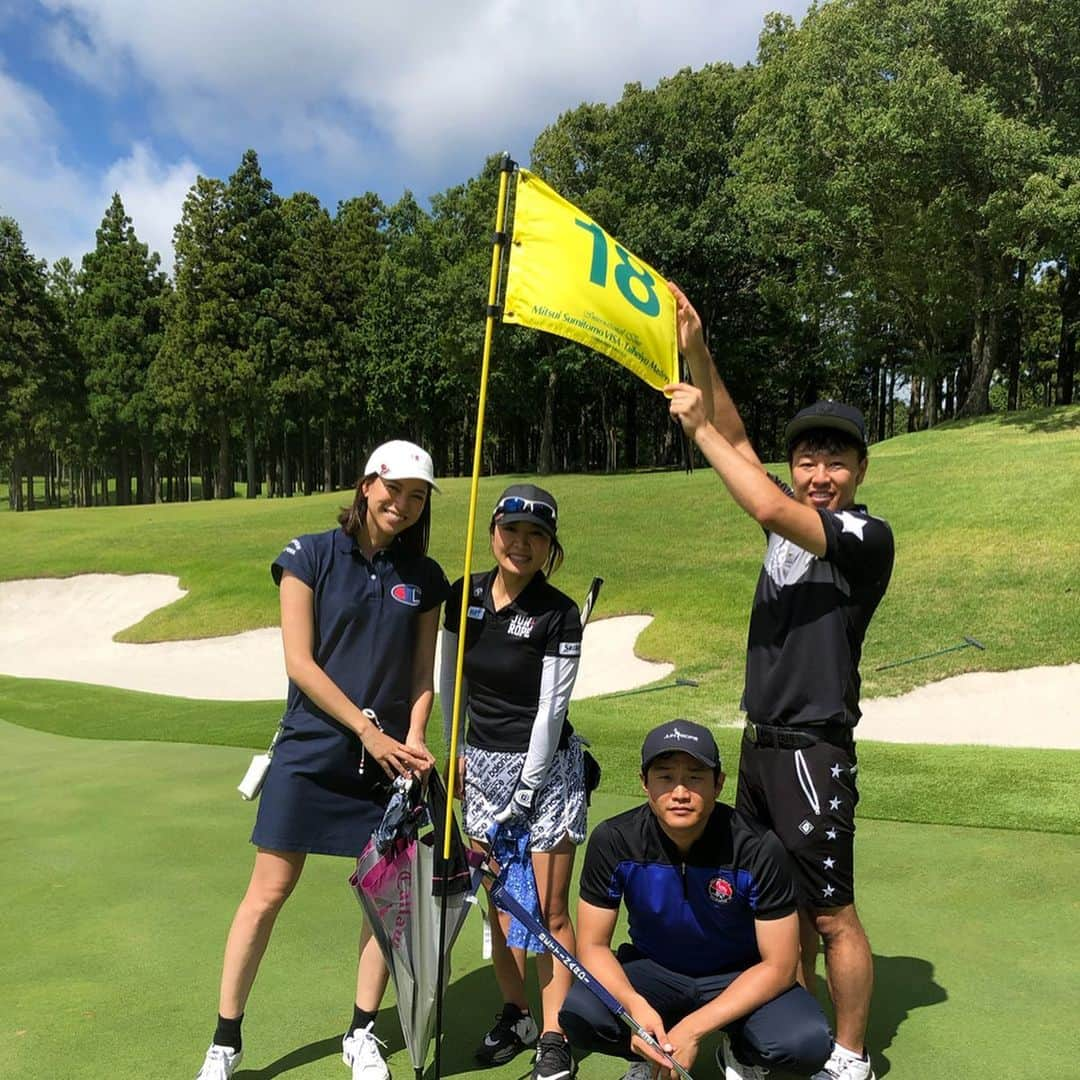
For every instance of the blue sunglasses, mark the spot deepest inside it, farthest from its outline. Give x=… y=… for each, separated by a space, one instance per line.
x=514 y=504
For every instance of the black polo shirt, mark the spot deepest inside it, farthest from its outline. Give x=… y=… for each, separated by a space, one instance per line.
x=809 y=619
x=694 y=915
x=365 y=621
x=505 y=652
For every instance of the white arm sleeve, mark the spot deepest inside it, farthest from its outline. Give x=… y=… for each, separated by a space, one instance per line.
x=556 y=683
x=447 y=670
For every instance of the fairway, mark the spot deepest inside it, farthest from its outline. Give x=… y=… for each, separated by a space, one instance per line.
x=123 y=861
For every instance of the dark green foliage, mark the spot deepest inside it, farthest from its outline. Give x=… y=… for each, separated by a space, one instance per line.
x=118 y=322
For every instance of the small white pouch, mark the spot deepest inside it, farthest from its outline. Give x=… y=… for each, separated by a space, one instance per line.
x=252 y=783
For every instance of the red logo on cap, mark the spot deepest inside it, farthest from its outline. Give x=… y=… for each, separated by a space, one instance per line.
x=384 y=469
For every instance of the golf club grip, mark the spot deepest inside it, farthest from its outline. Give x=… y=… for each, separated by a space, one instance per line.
x=590 y=600
x=502 y=896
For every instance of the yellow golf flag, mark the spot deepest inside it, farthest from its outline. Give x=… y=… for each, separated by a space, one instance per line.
x=569 y=277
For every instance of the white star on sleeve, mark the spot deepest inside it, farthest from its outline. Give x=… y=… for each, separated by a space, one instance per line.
x=830 y=834
x=834 y=804
x=828 y=891
x=835 y=770
x=829 y=863
x=851 y=523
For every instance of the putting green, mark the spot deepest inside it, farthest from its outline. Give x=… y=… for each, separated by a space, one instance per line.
x=123 y=862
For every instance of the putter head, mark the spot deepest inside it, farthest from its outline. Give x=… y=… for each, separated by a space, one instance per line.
x=977 y=644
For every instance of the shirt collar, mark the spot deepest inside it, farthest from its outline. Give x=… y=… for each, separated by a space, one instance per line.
x=537 y=582
x=348 y=545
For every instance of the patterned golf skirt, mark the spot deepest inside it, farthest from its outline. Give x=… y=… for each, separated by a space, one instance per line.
x=559 y=809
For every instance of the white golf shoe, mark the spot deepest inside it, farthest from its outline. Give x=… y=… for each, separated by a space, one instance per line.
x=360 y=1051
x=844 y=1065
x=220 y=1063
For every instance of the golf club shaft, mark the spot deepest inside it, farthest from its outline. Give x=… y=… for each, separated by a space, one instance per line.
x=501 y=896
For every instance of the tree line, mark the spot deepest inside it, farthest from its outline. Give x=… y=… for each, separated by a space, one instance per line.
x=883 y=208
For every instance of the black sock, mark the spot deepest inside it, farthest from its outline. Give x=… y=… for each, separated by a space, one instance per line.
x=360 y=1018
x=228 y=1032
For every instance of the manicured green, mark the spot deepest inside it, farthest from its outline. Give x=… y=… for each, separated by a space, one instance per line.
x=124 y=861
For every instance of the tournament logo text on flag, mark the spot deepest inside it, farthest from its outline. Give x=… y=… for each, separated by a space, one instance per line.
x=569 y=277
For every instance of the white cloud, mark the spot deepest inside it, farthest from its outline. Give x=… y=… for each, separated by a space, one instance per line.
x=153 y=194
x=341 y=96
x=58 y=206
x=46 y=197
x=432 y=78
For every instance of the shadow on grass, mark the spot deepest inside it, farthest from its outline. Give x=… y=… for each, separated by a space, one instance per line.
x=470 y=1004
x=302 y=1055
x=901 y=985
x=1040 y=421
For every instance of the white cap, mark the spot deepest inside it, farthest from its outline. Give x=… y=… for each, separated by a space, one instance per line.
x=401 y=460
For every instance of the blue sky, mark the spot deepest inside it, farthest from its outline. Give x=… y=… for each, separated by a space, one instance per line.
x=338 y=98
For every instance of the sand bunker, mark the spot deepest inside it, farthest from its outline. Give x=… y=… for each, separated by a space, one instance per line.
x=1037 y=707
x=62 y=628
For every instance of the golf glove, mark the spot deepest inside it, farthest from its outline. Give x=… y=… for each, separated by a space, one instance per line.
x=519 y=806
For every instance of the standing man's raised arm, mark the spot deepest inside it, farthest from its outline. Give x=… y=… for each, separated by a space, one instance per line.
x=720 y=409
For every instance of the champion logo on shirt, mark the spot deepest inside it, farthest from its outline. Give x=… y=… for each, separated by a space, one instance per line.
x=720 y=890
x=409 y=595
x=521 y=626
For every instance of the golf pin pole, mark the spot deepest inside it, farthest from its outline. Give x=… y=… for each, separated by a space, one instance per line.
x=502 y=896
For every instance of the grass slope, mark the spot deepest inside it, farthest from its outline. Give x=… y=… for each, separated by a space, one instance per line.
x=956 y=785
x=985 y=517
x=123 y=862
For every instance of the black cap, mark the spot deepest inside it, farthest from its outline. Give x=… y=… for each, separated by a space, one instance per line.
x=684 y=735
x=827 y=414
x=527 y=502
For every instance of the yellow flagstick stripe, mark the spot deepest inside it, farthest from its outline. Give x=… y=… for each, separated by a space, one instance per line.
x=493 y=292
x=569 y=277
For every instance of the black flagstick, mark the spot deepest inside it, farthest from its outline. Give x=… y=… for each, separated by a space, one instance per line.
x=687 y=445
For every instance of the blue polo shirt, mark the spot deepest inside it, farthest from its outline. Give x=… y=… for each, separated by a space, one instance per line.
x=365 y=614
x=692 y=914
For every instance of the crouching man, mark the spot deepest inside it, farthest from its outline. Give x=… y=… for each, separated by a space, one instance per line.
x=714 y=932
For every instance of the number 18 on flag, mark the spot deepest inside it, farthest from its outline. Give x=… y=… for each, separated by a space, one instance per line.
x=569 y=277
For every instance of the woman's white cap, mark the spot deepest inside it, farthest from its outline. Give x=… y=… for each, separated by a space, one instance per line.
x=401 y=460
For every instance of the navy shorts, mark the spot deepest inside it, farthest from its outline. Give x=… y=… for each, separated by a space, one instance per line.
x=315 y=797
x=808 y=798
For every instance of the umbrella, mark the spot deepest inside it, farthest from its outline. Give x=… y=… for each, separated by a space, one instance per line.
x=401 y=889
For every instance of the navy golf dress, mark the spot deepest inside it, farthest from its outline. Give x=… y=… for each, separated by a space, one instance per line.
x=315 y=798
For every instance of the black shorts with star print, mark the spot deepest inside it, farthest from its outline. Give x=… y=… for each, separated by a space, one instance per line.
x=808 y=798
